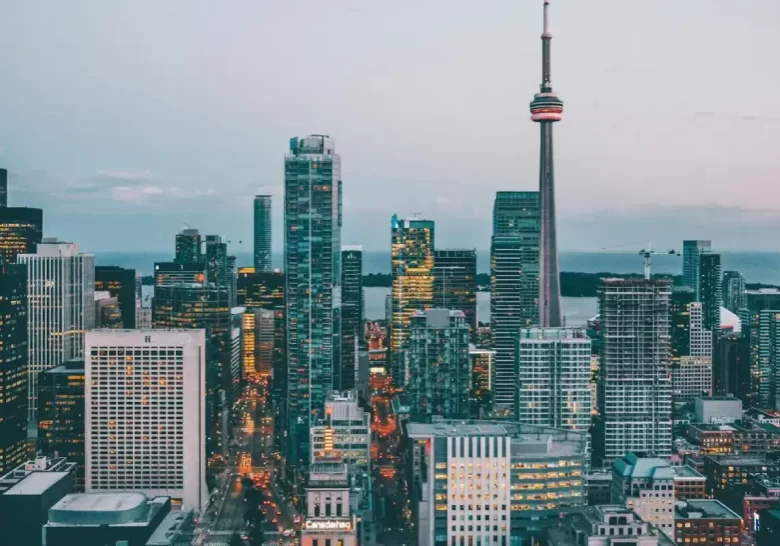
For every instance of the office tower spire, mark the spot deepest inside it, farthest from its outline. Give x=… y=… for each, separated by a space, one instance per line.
x=547 y=108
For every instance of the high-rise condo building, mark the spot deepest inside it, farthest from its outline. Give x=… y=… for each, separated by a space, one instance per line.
x=692 y=371
x=455 y=283
x=61 y=308
x=207 y=307
x=634 y=390
x=312 y=258
x=769 y=356
x=553 y=378
x=514 y=285
x=13 y=366
x=263 y=256
x=344 y=433
x=733 y=291
x=120 y=282
x=61 y=414
x=3 y=188
x=145 y=413
x=692 y=251
x=189 y=247
x=710 y=290
x=439 y=364
x=546 y=109
x=352 y=313
x=21 y=229
x=412 y=265
x=731 y=367
x=169 y=273
x=513 y=480
x=756 y=302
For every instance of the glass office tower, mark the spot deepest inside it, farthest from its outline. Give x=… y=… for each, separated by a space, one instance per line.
x=455 y=282
x=262 y=233
x=21 y=229
x=352 y=336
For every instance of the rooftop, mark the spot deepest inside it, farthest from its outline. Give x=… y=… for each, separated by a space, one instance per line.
x=636 y=466
x=69 y=367
x=170 y=527
x=36 y=483
x=703 y=508
x=738 y=460
x=92 y=509
x=686 y=472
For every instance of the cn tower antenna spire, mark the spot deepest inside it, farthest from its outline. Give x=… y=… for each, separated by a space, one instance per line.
x=546 y=39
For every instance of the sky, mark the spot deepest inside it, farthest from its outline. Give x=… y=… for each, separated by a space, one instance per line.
x=128 y=120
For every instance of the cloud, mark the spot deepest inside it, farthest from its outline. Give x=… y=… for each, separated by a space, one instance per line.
x=136 y=194
x=141 y=175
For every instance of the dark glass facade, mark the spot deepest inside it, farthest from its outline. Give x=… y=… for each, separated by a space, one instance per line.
x=61 y=415
x=710 y=293
x=312 y=256
x=680 y=323
x=188 y=247
x=352 y=337
x=262 y=242
x=731 y=368
x=21 y=229
x=168 y=273
x=120 y=283
x=259 y=289
x=13 y=366
x=733 y=291
x=455 y=282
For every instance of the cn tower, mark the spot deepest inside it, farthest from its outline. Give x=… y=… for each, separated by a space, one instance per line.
x=546 y=109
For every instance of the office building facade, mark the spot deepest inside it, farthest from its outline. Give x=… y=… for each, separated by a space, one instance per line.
x=455 y=283
x=262 y=238
x=514 y=285
x=352 y=315
x=439 y=364
x=553 y=378
x=731 y=367
x=120 y=283
x=60 y=309
x=3 y=188
x=145 y=413
x=189 y=247
x=13 y=365
x=344 y=434
x=481 y=362
x=169 y=273
x=733 y=291
x=412 y=266
x=692 y=251
x=763 y=300
x=259 y=289
x=514 y=481
x=634 y=390
x=21 y=229
x=312 y=255
x=329 y=518
x=61 y=415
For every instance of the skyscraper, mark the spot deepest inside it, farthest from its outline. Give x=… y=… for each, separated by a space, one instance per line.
x=546 y=109
x=439 y=364
x=514 y=284
x=634 y=390
x=455 y=282
x=731 y=368
x=188 y=247
x=263 y=233
x=217 y=261
x=13 y=366
x=756 y=302
x=710 y=292
x=412 y=265
x=145 y=413
x=259 y=289
x=769 y=356
x=553 y=378
x=692 y=251
x=352 y=312
x=3 y=188
x=61 y=308
x=169 y=273
x=21 y=229
x=692 y=369
x=733 y=291
x=312 y=257
x=119 y=282
x=680 y=323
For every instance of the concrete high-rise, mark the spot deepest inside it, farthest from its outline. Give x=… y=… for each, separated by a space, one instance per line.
x=546 y=109
x=710 y=290
x=312 y=264
x=692 y=251
x=412 y=265
x=61 y=308
x=145 y=413
x=21 y=229
x=13 y=366
x=455 y=282
x=189 y=247
x=634 y=390
x=514 y=285
x=553 y=378
x=733 y=291
x=439 y=365
x=262 y=238
x=352 y=313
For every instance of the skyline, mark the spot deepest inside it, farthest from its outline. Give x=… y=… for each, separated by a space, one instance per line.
x=137 y=140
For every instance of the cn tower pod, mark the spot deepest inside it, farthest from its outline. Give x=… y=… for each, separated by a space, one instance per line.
x=546 y=107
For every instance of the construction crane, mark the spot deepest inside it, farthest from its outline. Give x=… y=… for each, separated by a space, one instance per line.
x=646 y=253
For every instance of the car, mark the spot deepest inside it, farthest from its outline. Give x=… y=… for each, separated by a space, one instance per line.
x=274 y=520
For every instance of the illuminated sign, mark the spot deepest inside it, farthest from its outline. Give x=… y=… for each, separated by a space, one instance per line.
x=329 y=524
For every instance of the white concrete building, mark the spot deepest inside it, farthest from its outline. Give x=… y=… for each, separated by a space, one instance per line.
x=645 y=485
x=328 y=520
x=145 y=413
x=344 y=434
x=61 y=307
x=553 y=378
